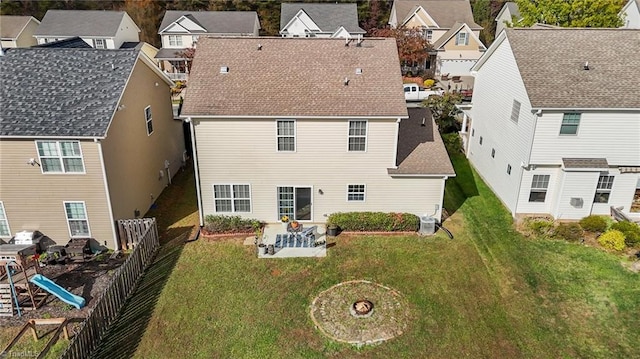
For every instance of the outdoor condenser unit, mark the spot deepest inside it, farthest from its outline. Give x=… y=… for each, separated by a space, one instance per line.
x=427 y=225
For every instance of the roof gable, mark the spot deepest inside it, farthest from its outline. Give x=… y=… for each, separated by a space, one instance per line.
x=551 y=63
x=212 y=22
x=510 y=9
x=62 y=92
x=12 y=26
x=328 y=17
x=300 y=23
x=445 y=13
x=82 y=23
x=305 y=77
x=449 y=35
x=420 y=16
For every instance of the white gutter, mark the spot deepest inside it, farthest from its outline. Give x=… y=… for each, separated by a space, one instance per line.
x=196 y=170
x=57 y=137
x=609 y=109
x=106 y=191
x=249 y=117
x=423 y=175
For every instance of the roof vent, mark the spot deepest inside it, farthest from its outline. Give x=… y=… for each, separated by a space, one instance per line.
x=358 y=71
x=346 y=81
x=259 y=47
x=224 y=69
x=346 y=42
x=360 y=40
x=586 y=65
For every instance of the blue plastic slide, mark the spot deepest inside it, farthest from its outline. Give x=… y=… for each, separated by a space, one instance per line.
x=64 y=295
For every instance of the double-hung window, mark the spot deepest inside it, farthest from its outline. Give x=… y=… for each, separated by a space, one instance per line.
x=148 y=119
x=570 y=124
x=4 y=224
x=357 y=135
x=603 y=189
x=462 y=39
x=286 y=135
x=232 y=197
x=175 y=40
x=355 y=192
x=99 y=43
x=77 y=219
x=539 y=186
x=60 y=156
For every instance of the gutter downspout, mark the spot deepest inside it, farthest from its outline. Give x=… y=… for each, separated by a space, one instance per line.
x=106 y=191
x=196 y=169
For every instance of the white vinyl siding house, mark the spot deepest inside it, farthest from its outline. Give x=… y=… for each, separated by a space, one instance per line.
x=585 y=157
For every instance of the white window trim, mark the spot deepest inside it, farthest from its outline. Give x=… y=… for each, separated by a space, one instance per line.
x=86 y=214
x=232 y=198
x=147 y=120
x=366 y=135
x=577 y=127
x=295 y=135
x=175 y=38
x=459 y=37
x=61 y=157
x=104 y=43
x=364 y=193
x=601 y=190
x=5 y=220
x=539 y=189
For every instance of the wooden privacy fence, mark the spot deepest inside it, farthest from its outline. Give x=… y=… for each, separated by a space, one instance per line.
x=132 y=231
x=114 y=296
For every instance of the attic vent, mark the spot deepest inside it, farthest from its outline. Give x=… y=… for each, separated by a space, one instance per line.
x=224 y=69
x=358 y=71
x=586 y=65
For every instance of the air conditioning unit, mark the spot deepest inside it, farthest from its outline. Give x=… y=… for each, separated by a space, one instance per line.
x=576 y=202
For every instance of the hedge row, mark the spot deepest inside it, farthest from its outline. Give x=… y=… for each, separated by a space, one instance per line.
x=375 y=221
x=231 y=224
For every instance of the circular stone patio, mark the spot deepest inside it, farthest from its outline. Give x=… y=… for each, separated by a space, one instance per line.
x=331 y=312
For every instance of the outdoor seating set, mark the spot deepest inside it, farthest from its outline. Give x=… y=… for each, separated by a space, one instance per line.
x=297 y=236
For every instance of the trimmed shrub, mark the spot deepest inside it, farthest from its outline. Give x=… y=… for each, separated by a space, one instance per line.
x=374 y=221
x=612 y=239
x=452 y=142
x=631 y=232
x=231 y=224
x=593 y=223
x=428 y=83
x=541 y=227
x=571 y=232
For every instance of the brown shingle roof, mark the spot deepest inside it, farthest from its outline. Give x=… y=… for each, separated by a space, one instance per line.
x=12 y=26
x=577 y=163
x=444 y=12
x=420 y=148
x=551 y=64
x=295 y=77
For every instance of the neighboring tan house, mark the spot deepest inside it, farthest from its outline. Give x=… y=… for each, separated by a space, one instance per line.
x=320 y=20
x=507 y=16
x=17 y=31
x=630 y=14
x=98 y=28
x=549 y=132
x=87 y=137
x=331 y=134
x=448 y=26
x=180 y=30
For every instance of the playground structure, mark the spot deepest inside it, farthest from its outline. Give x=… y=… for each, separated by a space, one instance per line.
x=18 y=264
x=61 y=328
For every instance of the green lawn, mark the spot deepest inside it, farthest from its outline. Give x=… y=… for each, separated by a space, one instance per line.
x=487 y=293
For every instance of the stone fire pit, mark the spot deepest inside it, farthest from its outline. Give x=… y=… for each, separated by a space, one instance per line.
x=360 y=312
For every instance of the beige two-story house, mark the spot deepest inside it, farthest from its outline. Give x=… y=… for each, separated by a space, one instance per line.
x=87 y=137
x=320 y=128
x=17 y=31
x=448 y=26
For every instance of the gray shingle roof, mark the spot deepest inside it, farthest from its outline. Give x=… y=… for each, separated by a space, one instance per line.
x=295 y=77
x=216 y=22
x=70 y=43
x=61 y=92
x=12 y=26
x=551 y=64
x=328 y=17
x=420 y=148
x=444 y=12
x=80 y=23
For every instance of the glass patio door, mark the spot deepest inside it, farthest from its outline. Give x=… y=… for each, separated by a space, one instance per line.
x=294 y=202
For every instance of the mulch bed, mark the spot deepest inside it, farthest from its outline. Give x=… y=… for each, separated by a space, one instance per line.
x=88 y=280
